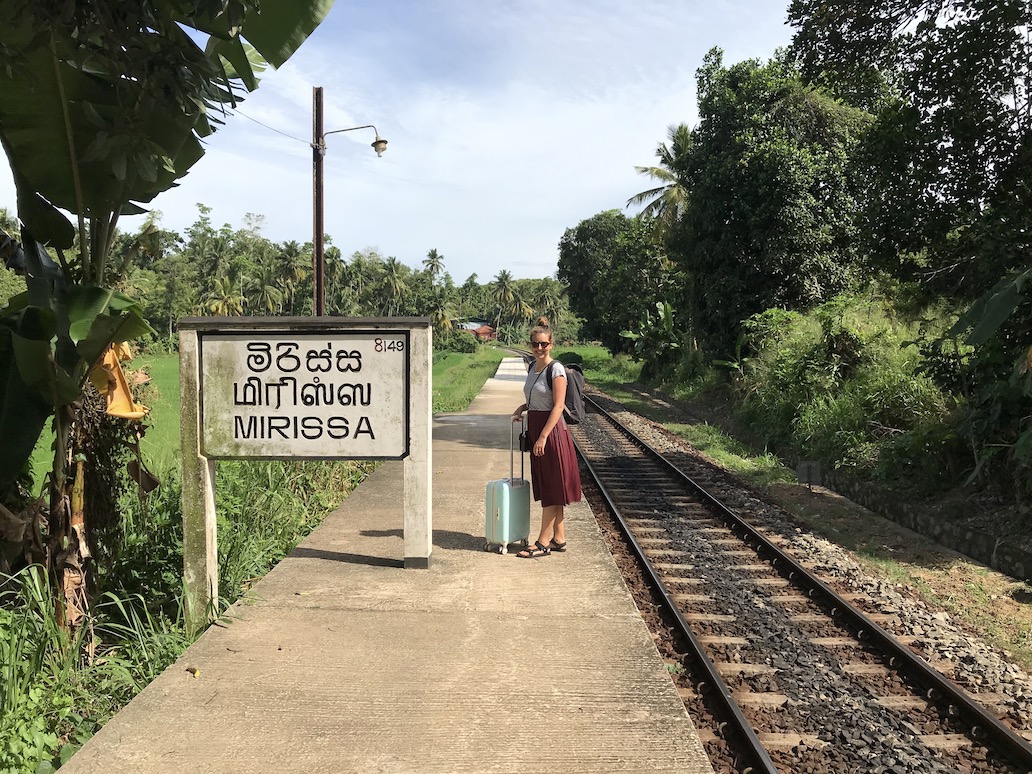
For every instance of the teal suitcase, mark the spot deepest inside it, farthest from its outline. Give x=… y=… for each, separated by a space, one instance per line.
x=507 y=518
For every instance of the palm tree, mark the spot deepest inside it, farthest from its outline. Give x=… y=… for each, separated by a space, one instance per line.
x=267 y=296
x=215 y=254
x=394 y=285
x=550 y=302
x=502 y=291
x=520 y=312
x=666 y=202
x=293 y=267
x=9 y=222
x=442 y=312
x=434 y=265
x=225 y=298
x=337 y=279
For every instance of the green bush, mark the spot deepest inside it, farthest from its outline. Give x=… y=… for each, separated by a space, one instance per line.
x=841 y=384
x=451 y=340
x=569 y=356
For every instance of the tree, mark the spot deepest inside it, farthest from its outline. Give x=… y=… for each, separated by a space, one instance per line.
x=614 y=271
x=770 y=221
x=10 y=283
x=473 y=299
x=667 y=200
x=441 y=312
x=949 y=159
x=266 y=296
x=226 y=297
x=503 y=295
x=950 y=206
x=176 y=292
x=103 y=105
x=434 y=265
x=394 y=286
x=550 y=300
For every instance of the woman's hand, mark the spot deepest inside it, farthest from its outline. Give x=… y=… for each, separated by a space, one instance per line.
x=539 y=445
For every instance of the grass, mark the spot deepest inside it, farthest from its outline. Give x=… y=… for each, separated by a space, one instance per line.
x=759 y=470
x=160 y=444
x=458 y=377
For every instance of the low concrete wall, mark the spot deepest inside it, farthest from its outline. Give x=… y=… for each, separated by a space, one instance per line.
x=993 y=551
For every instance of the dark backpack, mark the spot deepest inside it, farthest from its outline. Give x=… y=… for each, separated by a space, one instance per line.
x=574 y=412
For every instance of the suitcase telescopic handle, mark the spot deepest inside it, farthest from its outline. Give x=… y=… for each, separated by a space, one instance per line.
x=512 y=446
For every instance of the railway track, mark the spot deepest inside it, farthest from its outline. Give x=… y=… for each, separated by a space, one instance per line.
x=779 y=671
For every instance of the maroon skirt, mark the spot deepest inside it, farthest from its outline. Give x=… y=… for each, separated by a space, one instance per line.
x=554 y=475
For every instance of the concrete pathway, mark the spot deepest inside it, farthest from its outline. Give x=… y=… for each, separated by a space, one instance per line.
x=343 y=661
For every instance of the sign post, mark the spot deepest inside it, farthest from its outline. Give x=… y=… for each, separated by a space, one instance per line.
x=300 y=388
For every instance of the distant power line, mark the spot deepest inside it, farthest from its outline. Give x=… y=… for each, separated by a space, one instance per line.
x=273 y=129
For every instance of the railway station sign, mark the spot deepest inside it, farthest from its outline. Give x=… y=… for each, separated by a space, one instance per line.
x=300 y=388
x=328 y=395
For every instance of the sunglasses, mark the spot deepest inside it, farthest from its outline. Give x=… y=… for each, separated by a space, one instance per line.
x=540 y=343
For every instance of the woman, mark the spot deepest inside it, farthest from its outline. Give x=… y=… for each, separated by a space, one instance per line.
x=553 y=459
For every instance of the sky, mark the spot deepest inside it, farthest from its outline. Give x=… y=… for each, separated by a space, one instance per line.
x=507 y=123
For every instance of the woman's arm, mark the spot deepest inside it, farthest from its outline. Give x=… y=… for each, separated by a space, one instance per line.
x=518 y=413
x=559 y=403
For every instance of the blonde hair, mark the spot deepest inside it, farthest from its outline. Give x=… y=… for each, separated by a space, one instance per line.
x=542 y=328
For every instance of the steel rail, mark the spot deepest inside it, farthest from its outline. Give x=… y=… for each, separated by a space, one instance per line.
x=714 y=681
x=981 y=723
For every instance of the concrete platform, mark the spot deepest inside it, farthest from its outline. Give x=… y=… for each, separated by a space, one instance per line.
x=343 y=661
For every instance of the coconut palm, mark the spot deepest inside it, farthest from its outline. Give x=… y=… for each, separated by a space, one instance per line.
x=502 y=291
x=9 y=222
x=266 y=296
x=225 y=299
x=394 y=285
x=666 y=201
x=550 y=301
x=434 y=265
x=521 y=311
x=293 y=267
x=441 y=312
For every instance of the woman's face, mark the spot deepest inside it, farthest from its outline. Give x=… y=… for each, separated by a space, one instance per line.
x=540 y=345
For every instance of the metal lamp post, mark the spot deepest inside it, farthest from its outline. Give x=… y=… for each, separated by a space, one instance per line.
x=318 y=229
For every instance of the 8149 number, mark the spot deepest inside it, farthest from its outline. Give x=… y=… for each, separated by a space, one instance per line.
x=389 y=345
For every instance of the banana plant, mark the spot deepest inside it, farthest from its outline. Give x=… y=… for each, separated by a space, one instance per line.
x=103 y=106
x=657 y=341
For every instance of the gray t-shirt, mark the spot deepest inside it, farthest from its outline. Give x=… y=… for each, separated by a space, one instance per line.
x=536 y=389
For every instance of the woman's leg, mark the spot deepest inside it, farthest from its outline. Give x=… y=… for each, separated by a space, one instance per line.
x=559 y=526
x=549 y=515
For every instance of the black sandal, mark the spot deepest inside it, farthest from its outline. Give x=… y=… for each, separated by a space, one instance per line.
x=534 y=553
x=557 y=547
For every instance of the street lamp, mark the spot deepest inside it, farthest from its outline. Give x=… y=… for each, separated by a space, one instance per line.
x=318 y=229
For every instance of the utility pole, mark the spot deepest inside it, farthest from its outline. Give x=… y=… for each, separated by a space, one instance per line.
x=318 y=227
